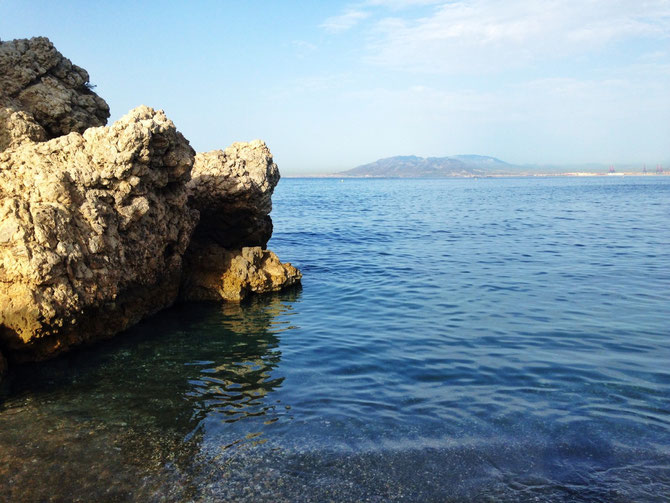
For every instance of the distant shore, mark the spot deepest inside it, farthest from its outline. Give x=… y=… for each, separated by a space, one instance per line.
x=491 y=175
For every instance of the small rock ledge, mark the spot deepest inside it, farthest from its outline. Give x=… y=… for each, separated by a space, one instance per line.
x=103 y=226
x=215 y=273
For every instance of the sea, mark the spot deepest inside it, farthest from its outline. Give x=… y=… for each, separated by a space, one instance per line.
x=453 y=340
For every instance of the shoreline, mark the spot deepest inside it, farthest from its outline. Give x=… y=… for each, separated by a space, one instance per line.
x=506 y=175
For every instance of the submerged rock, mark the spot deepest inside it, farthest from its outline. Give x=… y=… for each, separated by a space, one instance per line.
x=37 y=79
x=93 y=229
x=215 y=273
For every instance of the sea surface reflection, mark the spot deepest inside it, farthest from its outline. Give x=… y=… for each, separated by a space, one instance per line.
x=126 y=419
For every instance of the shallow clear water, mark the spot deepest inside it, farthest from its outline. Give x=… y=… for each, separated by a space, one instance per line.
x=453 y=340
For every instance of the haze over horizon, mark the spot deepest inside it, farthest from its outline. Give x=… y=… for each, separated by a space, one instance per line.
x=339 y=84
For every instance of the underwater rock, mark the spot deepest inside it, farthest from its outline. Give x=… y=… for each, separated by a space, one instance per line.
x=215 y=273
x=92 y=232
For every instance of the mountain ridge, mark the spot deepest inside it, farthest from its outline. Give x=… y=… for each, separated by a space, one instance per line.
x=474 y=165
x=411 y=166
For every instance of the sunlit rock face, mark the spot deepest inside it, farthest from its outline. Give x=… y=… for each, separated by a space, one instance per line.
x=95 y=222
x=17 y=127
x=55 y=94
x=215 y=273
x=92 y=232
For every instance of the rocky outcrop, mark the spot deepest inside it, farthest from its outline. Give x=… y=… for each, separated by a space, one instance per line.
x=55 y=94
x=92 y=233
x=99 y=225
x=214 y=273
x=232 y=189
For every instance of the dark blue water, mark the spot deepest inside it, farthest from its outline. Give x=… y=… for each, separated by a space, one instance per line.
x=453 y=340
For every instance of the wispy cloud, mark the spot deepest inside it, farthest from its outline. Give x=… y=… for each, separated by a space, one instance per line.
x=303 y=48
x=401 y=4
x=344 y=21
x=480 y=35
x=354 y=13
x=567 y=80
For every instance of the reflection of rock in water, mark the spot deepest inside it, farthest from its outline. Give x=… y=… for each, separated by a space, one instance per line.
x=236 y=383
x=125 y=421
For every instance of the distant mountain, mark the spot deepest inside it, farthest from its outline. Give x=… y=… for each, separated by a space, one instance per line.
x=411 y=166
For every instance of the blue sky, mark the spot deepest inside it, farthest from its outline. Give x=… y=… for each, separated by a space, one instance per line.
x=330 y=85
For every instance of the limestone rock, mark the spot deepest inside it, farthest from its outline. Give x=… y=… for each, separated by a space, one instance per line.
x=214 y=273
x=95 y=222
x=37 y=79
x=92 y=232
x=18 y=127
x=232 y=189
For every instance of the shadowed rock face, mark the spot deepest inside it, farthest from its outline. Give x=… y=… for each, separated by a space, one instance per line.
x=35 y=78
x=232 y=189
x=92 y=232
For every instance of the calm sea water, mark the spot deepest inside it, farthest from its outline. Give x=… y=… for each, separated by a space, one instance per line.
x=453 y=340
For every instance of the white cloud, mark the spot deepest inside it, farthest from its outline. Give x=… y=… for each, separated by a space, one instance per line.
x=357 y=12
x=525 y=80
x=482 y=35
x=344 y=21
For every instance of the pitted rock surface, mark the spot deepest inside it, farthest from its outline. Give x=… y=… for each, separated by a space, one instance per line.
x=37 y=79
x=92 y=232
x=18 y=127
x=215 y=273
x=98 y=224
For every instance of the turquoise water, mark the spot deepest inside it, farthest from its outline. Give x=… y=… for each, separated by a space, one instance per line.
x=453 y=340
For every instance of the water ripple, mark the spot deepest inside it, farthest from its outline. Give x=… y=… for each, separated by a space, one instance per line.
x=453 y=340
